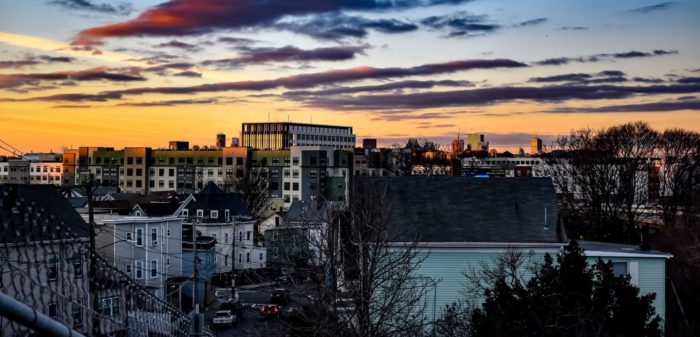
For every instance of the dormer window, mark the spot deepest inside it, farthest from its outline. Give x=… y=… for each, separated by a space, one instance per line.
x=213 y=214
x=227 y=214
x=185 y=212
x=138 y=213
x=200 y=213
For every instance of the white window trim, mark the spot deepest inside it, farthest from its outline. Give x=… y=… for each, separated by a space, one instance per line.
x=213 y=214
x=139 y=232
x=185 y=212
x=152 y=269
x=227 y=214
x=138 y=267
x=200 y=213
x=154 y=243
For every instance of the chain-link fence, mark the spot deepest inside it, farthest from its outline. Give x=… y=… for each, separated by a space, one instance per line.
x=47 y=263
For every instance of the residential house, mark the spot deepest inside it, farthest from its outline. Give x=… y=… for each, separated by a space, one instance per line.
x=224 y=217
x=463 y=224
x=42 y=260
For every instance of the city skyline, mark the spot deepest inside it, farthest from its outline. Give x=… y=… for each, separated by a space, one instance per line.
x=99 y=73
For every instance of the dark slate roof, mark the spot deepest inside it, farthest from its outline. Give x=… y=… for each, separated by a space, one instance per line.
x=461 y=209
x=213 y=197
x=310 y=211
x=123 y=196
x=78 y=202
x=159 y=208
x=37 y=212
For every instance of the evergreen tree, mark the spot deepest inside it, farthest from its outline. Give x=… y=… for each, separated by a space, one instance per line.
x=569 y=298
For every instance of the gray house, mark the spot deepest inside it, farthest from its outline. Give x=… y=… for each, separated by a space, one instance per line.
x=147 y=248
x=42 y=260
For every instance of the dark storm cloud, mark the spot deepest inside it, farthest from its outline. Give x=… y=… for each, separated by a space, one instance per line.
x=239 y=41
x=32 y=60
x=494 y=95
x=287 y=54
x=187 y=17
x=689 y=80
x=339 y=26
x=188 y=74
x=171 y=102
x=121 y=8
x=666 y=106
x=8 y=81
x=557 y=61
x=461 y=24
x=311 y=80
x=652 y=8
x=179 y=45
x=607 y=76
x=381 y=87
x=532 y=22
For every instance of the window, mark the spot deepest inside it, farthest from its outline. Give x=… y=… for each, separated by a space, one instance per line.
x=168 y=232
x=185 y=212
x=128 y=269
x=261 y=257
x=78 y=313
x=154 y=237
x=77 y=266
x=620 y=268
x=52 y=265
x=227 y=214
x=167 y=261
x=129 y=236
x=240 y=236
x=53 y=310
x=226 y=237
x=247 y=235
x=295 y=186
x=213 y=214
x=275 y=237
x=138 y=268
x=286 y=186
x=215 y=236
x=138 y=213
x=226 y=261
x=139 y=237
x=200 y=213
x=239 y=160
x=247 y=257
x=109 y=306
x=274 y=252
x=171 y=172
x=239 y=258
x=154 y=268
x=295 y=161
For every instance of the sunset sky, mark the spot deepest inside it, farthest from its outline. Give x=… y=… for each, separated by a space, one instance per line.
x=141 y=73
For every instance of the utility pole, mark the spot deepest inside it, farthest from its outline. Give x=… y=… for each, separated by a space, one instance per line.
x=88 y=186
x=195 y=278
x=233 y=258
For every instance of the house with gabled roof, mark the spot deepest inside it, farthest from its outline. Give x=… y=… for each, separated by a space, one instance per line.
x=462 y=224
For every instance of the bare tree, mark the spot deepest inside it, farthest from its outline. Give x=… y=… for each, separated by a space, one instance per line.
x=252 y=183
x=363 y=274
x=679 y=152
x=602 y=178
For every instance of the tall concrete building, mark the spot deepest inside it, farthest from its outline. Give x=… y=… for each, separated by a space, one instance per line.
x=535 y=146
x=281 y=136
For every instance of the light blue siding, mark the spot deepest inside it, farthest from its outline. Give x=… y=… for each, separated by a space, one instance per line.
x=447 y=268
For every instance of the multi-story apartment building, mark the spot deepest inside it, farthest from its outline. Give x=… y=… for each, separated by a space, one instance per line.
x=281 y=136
x=149 y=249
x=37 y=169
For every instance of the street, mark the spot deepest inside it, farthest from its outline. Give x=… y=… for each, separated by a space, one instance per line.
x=251 y=300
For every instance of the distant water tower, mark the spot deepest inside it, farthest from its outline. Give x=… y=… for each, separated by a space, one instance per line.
x=220 y=140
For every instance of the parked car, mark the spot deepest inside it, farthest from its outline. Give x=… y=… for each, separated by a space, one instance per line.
x=279 y=295
x=236 y=308
x=269 y=310
x=225 y=317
